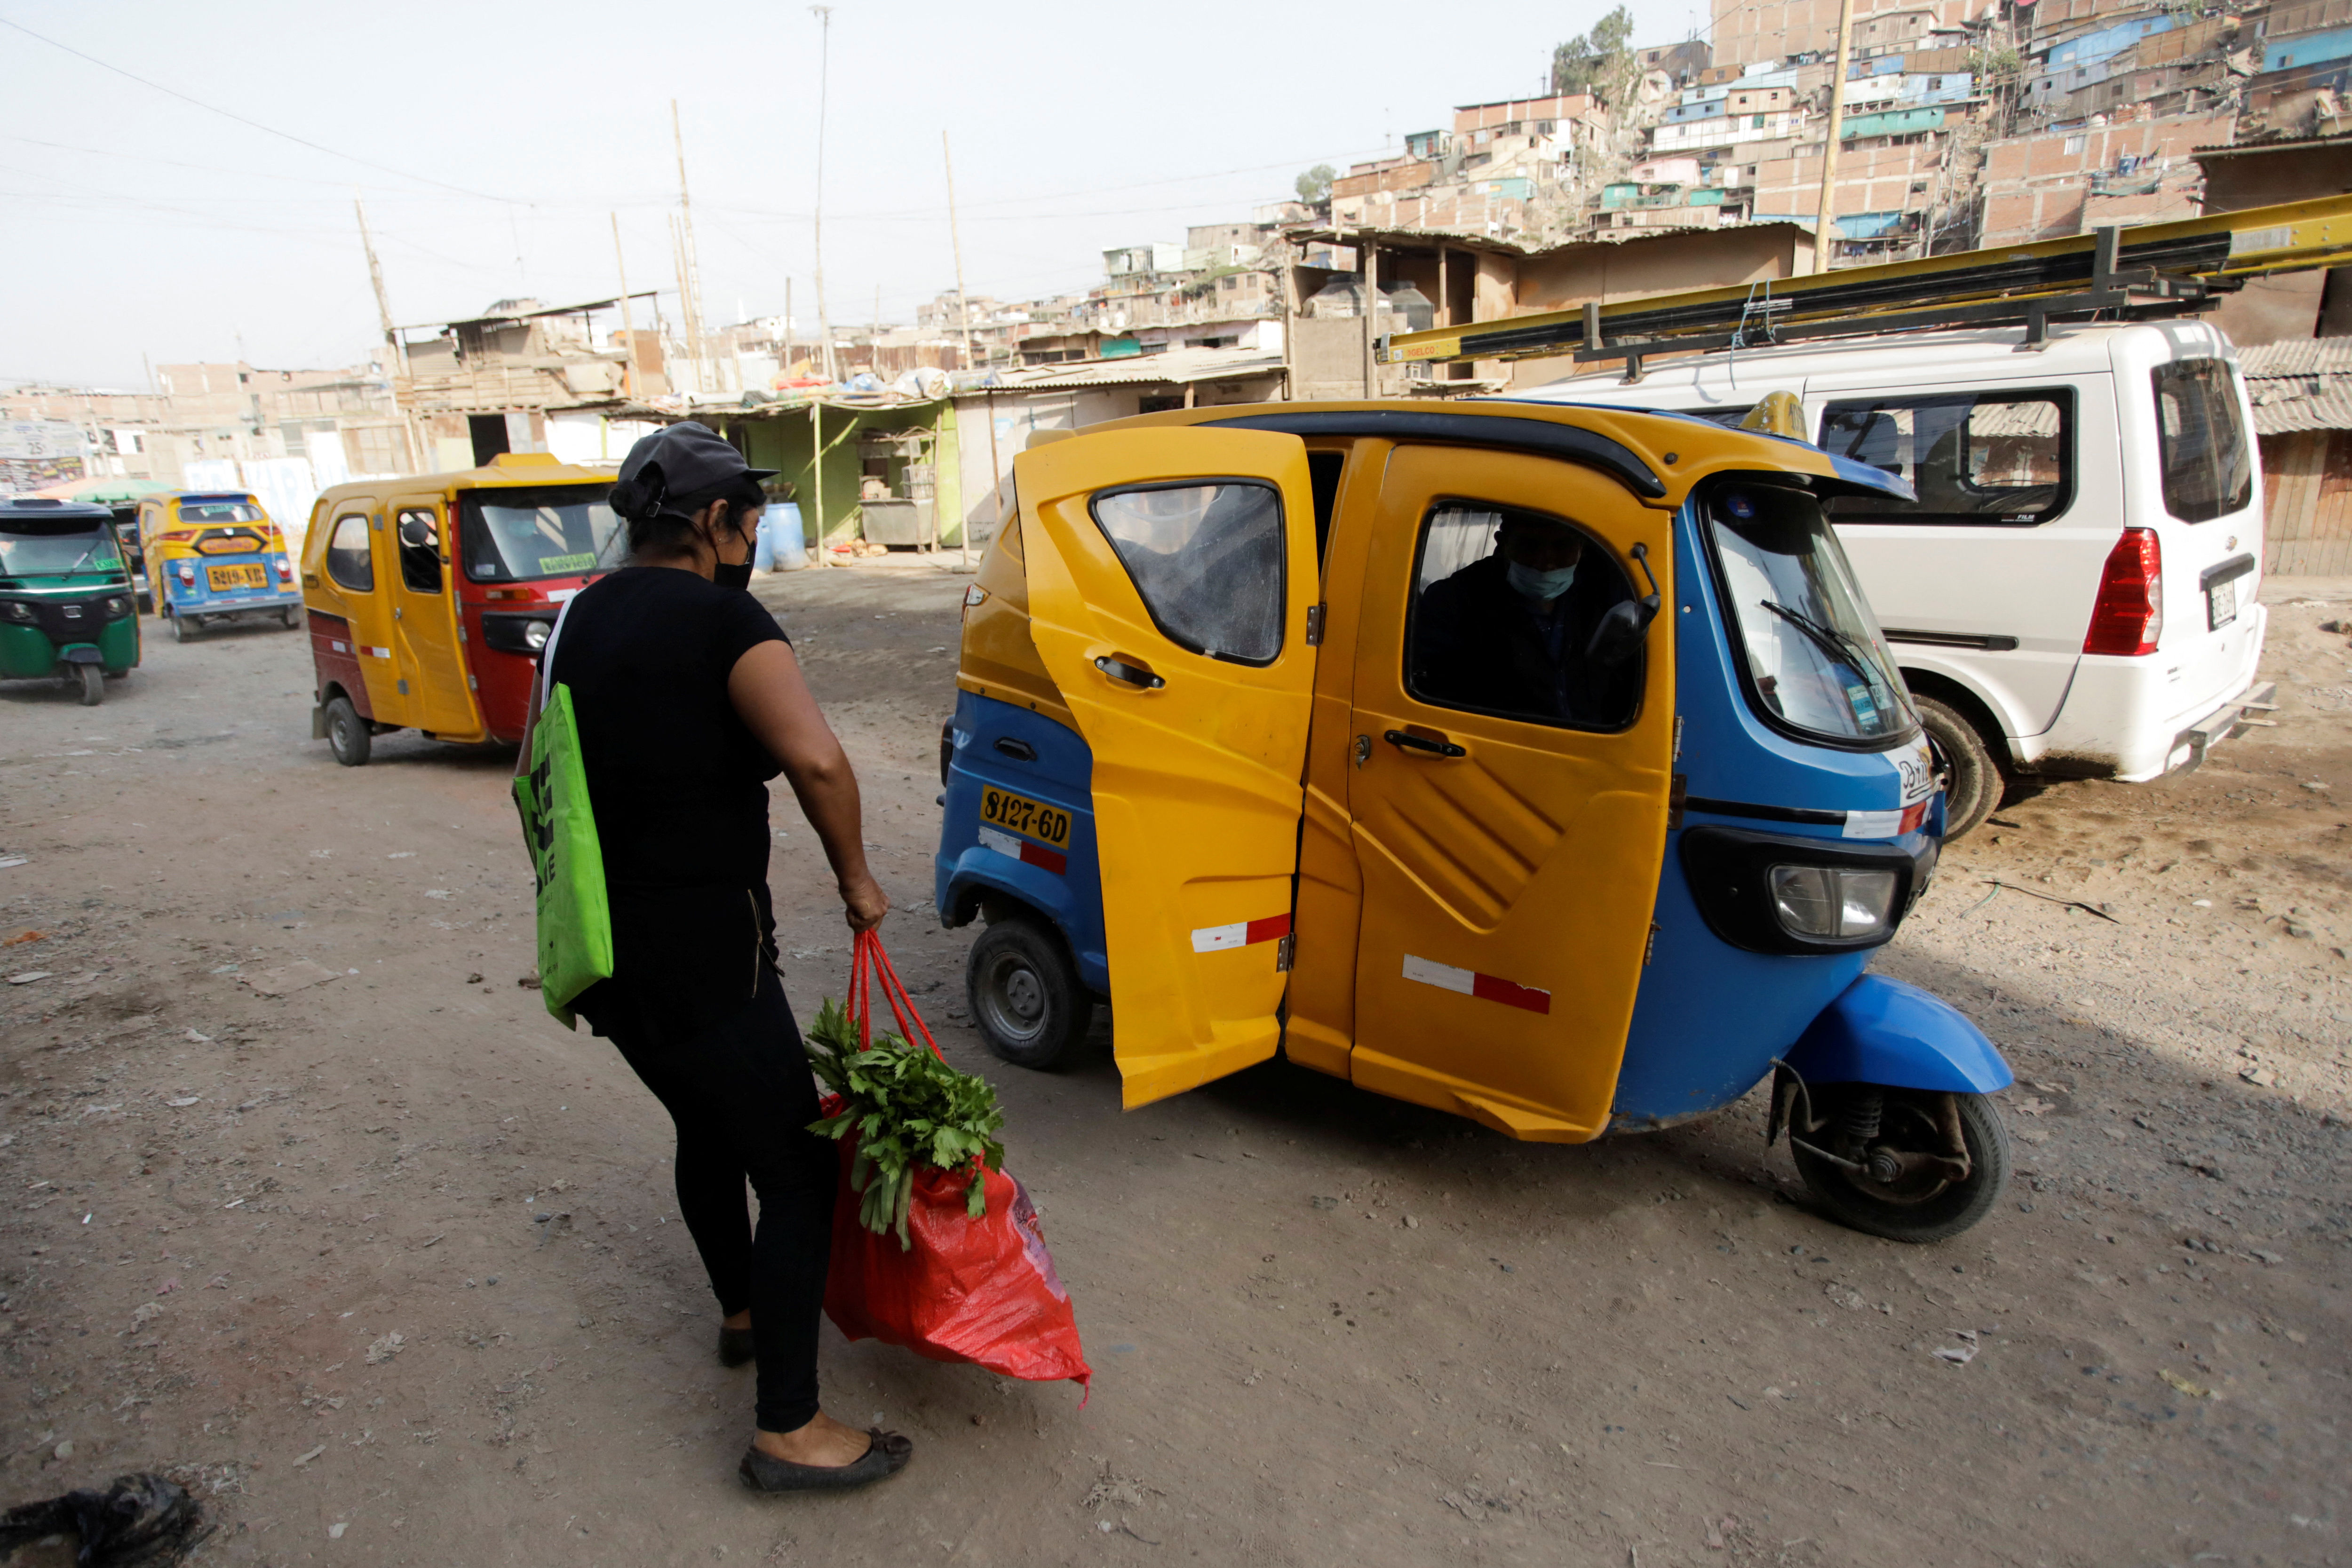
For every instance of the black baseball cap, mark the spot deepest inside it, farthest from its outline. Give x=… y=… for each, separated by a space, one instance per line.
x=692 y=458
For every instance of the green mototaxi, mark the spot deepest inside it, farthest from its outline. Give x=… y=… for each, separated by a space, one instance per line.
x=66 y=603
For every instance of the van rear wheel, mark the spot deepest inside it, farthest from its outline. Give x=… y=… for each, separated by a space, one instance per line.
x=1024 y=994
x=347 y=733
x=1975 y=788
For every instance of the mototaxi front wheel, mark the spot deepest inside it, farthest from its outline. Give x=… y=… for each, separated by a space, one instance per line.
x=1906 y=1189
x=1024 y=994
x=93 y=684
x=347 y=733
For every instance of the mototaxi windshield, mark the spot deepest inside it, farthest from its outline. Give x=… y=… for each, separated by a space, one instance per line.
x=1814 y=661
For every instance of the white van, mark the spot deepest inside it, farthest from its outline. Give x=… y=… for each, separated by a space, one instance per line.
x=2074 y=593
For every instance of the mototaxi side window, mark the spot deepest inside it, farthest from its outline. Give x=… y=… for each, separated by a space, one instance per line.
x=515 y=534
x=2200 y=436
x=418 y=531
x=1972 y=457
x=1814 y=663
x=1506 y=618
x=1206 y=557
x=349 y=561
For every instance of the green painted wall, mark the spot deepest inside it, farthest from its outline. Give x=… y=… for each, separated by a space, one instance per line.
x=787 y=443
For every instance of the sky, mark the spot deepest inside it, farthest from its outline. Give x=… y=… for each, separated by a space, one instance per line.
x=205 y=212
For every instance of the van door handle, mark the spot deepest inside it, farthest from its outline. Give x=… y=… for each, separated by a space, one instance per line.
x=1130 y=672
x=1439 y=747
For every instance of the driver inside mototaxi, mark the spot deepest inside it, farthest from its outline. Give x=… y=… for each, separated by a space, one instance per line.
x=1513 y=631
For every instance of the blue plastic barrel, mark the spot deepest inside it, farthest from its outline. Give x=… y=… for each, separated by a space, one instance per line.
x=783 y=547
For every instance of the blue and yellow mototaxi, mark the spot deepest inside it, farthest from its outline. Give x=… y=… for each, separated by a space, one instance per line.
x=1349 y=731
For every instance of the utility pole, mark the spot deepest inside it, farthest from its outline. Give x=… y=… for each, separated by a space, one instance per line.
x=693 y=303
x=824 y=14
x=628 y=327
x=392 y=341
x=955 y=241
x=1825 y=223
x=788 y=326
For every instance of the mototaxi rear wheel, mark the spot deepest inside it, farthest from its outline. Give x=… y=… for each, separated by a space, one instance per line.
x=183 y=629
x=1024 y=994
x=348 y=735
x=1899 y=1195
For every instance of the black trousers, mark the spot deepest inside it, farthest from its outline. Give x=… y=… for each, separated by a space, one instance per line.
x=742 y=1096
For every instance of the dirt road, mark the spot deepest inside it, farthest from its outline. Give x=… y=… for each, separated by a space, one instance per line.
x=299 y=1246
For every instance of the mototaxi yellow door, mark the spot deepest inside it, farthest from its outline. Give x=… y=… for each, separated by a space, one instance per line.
x=1510 y=793
x=1171 y=573
x=432 y=663
x=355 y=576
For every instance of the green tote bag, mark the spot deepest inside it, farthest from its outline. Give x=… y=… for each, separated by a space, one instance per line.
x=575 y=924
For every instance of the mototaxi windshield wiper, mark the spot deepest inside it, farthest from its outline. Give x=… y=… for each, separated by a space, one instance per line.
x=1840 y=645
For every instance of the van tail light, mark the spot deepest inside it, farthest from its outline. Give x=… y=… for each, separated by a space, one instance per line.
x=2128 y=617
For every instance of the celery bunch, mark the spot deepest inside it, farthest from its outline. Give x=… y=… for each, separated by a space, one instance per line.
x=905 y=1108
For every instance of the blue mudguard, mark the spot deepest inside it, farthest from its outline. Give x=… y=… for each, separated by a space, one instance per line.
x=1886 y=1032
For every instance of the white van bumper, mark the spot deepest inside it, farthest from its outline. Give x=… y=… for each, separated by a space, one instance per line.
x=2127 y=718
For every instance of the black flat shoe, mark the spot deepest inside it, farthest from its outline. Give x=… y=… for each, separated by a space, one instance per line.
x=885 y=1455
x=735 y=1346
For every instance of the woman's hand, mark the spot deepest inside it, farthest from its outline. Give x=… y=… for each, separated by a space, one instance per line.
x=863 y=902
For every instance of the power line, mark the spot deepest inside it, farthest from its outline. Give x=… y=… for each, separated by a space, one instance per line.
x=254 y=124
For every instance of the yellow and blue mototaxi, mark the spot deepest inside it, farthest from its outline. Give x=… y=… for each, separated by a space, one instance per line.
x=1350 y=731
x=212 y=555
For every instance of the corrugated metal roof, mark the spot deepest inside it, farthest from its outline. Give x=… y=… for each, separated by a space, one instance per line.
x=2326 y=410
x=1177 y=365
x=2296 y=356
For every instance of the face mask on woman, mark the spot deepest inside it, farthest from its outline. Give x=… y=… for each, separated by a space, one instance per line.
x=736 y=576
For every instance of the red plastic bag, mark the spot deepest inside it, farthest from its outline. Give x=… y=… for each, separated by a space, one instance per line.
x=980 y=1291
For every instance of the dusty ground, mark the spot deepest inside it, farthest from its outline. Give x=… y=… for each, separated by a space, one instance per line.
x=296 y=1246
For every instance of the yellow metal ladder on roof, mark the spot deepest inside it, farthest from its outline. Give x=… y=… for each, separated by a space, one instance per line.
x=2151 y=270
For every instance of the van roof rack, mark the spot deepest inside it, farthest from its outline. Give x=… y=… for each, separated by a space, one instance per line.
x=2148 y=271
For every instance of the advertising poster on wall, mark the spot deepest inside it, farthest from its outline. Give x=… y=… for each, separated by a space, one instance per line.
x=38 y=453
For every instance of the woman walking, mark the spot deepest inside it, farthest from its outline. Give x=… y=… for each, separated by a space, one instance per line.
x=688 y=699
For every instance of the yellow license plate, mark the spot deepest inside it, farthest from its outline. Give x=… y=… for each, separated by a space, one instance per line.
x=223 y=578
x=1002 y=808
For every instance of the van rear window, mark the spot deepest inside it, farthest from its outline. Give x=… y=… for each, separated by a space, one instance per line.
x=2201 y=440
x=1971 y=457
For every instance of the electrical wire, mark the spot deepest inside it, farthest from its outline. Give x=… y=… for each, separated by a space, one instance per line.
x=254 y=124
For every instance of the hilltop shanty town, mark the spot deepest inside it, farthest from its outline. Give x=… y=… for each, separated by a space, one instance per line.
x=1610 y=829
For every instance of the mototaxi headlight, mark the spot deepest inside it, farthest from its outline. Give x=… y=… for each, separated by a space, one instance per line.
x=1831 y=903
x=20 y=611
x=117 y=607
x=534 y=634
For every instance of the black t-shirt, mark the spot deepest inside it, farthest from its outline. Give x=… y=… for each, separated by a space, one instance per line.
x=678 y=781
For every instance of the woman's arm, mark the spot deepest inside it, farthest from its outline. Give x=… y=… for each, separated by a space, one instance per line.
x=774 y=702
x=529 y=722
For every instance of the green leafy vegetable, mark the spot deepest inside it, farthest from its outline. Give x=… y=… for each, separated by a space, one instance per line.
x=906 y=1108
